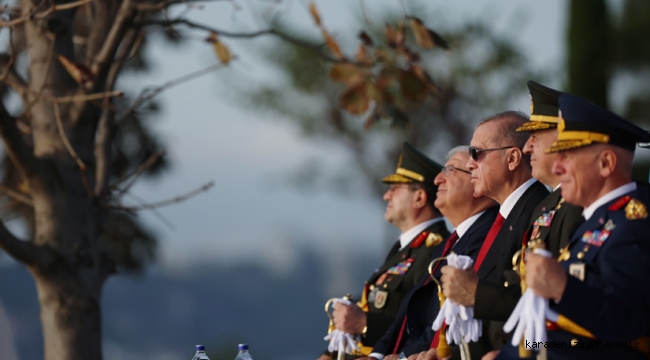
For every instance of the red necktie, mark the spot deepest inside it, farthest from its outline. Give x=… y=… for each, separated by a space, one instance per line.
x=489 y=240
x=448 y=245
x=487 y=243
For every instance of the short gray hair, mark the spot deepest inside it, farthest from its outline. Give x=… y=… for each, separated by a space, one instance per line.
x=506 y=134
x=456 y=150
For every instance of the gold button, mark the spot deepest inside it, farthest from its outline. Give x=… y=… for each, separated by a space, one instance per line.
x=574 y=342
x=505 y=284
x=566 y=255
x=385 y=285
x=581 y=255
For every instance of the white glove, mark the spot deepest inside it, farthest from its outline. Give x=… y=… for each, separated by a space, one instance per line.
x=530 y=315
x=340 y=341
x=460 y=319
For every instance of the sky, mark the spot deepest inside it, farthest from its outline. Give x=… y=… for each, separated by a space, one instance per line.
x=249 y=154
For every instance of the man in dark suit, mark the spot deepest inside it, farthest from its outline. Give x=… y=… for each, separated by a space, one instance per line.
x=410 y=208
x=472 y=216
x=501 y=171
x=553 y=220
x=600 y=291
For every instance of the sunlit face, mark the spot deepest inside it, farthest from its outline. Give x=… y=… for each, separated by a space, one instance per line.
x=541 y=162
x=578 y=171
x=491 y=167
x=399 y=202
x=454 y=185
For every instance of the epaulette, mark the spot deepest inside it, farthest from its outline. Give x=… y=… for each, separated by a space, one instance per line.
x=620 y=203
x=419 y=240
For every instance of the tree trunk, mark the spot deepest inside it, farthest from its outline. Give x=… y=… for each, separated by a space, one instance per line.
x=588 y=49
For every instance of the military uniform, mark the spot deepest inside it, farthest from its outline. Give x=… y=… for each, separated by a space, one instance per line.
x=604 y=311
x=403 y=268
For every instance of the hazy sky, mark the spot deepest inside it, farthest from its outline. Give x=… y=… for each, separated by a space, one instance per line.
x=248 y=154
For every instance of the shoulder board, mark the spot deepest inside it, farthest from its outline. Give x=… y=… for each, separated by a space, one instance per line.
x=620 y=203
x=635 y=210
x=419 y=239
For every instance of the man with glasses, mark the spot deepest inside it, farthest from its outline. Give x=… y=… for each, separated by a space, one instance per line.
x=410 y=208
x=472 y=216
x=553 y=221
x=501 y=171
x=600 y=289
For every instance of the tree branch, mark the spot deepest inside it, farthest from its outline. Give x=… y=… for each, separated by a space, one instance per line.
x=17 y=150
x=23 y=251
x=166 y=3
x=106 y=125
x=105 y=56
x=136 y=173
x=271 y=31
x=9 y=76
x=17 y=196
x=148 y=94
x=171 y=201
x=43 y=14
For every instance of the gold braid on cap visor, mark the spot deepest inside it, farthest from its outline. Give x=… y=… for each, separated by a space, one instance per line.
x=574 y=139
x=411 y=174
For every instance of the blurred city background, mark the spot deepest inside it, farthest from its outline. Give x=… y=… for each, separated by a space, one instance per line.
x=295 y=216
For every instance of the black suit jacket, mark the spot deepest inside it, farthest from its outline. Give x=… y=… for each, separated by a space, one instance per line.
x=494 y=301
x=563 y=223
x=421 y=304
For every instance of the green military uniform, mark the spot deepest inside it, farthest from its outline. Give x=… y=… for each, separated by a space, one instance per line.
x=403 y=268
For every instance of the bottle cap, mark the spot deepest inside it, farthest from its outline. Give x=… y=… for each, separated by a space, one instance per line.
x=242 y=347
x=200 y=347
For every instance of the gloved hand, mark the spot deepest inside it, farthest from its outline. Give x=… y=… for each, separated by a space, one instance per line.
x=459 y=319
x=341 y=341
x=530 y=315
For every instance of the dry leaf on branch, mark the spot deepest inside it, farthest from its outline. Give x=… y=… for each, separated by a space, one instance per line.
x=438 y=40
x=332 y=45
x=347 y=73
x=391 y=36
x=362 y=55
x=355 y=99
x=422 y=36
x=79 y=72
x=314 y=13
x=222 y=52
x=365 y=38
x=412 y=87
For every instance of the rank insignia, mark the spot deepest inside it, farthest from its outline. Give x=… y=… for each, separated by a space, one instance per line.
x=380 y=299
x=635 y=210
x=401 y=268
x=609 y=225
x=433 y=239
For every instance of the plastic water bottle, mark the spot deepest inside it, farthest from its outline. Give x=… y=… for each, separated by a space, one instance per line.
x=200 y=353
x=243 y=353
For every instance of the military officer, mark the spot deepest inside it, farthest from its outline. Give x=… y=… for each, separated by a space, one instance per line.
x=409 y=207
x=600 y=288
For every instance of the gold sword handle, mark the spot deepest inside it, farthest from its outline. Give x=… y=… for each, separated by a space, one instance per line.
x=443 y=350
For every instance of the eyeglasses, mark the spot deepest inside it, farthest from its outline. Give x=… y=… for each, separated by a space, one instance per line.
x=447 y=169
x=474 y=152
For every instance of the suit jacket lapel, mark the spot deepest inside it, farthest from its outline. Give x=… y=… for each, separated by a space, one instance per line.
x=500 y=242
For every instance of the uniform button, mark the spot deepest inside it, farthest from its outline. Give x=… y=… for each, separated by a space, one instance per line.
x=574 y=342
x=505 y=284
x=580 y=255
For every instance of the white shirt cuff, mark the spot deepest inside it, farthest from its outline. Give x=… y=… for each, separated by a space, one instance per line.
x=377 y=355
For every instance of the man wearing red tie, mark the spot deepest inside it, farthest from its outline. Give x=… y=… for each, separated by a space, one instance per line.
x=501 y=171
x=472 y=216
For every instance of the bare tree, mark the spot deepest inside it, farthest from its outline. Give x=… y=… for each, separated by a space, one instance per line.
x=75 y=148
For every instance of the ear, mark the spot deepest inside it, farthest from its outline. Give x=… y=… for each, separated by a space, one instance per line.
x=514 y=158
x=419 y=199
x=607 y=163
